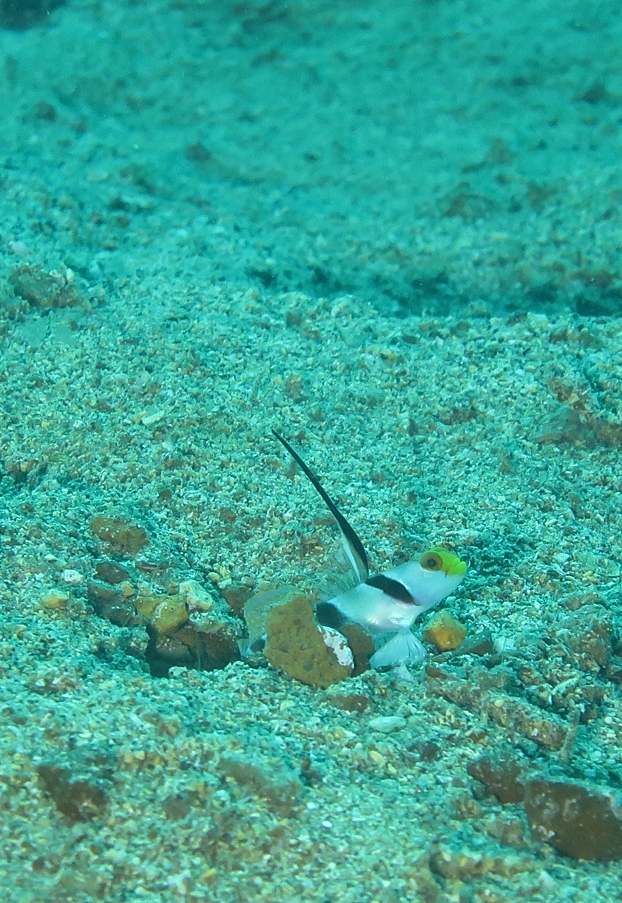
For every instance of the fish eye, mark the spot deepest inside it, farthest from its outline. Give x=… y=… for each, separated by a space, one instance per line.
x=431 y=561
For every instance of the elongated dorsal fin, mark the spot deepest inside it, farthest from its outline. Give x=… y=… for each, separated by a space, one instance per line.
x=357 y=556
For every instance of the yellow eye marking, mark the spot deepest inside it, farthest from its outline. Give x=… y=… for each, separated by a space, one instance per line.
x=431 y=561
x=438 y=559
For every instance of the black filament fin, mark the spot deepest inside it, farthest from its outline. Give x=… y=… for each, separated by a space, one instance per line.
x=354 y=547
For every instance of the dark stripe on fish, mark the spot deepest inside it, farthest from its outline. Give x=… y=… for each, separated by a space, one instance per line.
x=392 y=588
x=329 y=616
x=347 y=530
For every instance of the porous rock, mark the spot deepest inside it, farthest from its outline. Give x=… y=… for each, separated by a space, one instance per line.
x=296 y=645
x=256 y=610
x=163 y=613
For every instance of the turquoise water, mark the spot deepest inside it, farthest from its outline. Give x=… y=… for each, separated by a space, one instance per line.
x=421 y=155
x=391 y=232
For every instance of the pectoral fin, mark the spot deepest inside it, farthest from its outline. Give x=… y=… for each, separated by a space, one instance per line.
x=403 y=649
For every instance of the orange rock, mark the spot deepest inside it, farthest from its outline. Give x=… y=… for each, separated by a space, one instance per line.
x=444 y=632
x=164 y=613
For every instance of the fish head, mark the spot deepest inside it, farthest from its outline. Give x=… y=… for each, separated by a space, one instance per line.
x=432 y=577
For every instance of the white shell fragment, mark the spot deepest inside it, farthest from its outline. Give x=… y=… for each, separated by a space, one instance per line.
x=339 y=645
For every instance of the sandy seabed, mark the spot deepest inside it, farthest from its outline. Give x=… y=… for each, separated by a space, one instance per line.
x=392 y=233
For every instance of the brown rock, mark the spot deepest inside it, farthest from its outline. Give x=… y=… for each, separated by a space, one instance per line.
x=236 y=596
x=43 y=290
x=581 y=821
x=55 y=599
x=77 y=799
x=168 y=651
x=111 y=572
x=216 y=648
x=480 y=644
x=257 y=608
x=349 y=702
x=111 y=603
x=501 y=773
x=204 y=648
x=437 y=673
x=121 y=535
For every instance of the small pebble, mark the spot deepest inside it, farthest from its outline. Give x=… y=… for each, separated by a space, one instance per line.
x=387 y=724
x=150 y=419
x=69 y=575
x=195 y=595
x=19 y=247
x=111 y=572
x=55 y=599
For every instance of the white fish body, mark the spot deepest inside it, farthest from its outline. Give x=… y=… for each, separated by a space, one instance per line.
x=392 y=601
x=427 y=582
x=376 y=609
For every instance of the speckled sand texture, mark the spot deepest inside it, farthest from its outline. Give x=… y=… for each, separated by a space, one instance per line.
x=391 y=232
